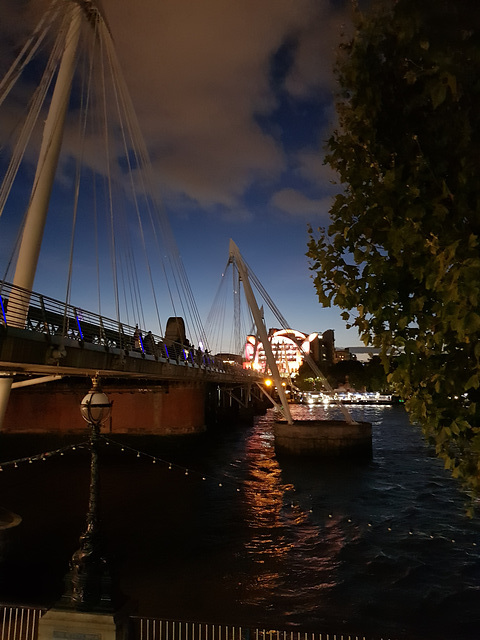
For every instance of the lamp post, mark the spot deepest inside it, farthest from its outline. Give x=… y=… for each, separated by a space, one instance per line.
x=88 y=585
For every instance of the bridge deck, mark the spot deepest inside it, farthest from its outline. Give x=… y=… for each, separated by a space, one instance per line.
x=65 y=340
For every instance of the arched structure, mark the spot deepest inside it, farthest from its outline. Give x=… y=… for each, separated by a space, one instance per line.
x=289 y=347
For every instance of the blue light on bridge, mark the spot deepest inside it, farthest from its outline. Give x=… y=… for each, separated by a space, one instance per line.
x=79 y=327
x=3 y=311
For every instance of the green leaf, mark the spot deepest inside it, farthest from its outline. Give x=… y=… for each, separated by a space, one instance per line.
x=473 y=382
x=438 y=93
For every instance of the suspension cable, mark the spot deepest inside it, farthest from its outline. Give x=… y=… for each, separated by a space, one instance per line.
x=82 y=125
x=36 y=104
x=29 y=49
x=146 y=181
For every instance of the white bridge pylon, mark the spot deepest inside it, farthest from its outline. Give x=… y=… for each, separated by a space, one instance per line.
x=39 y=201
x=236 y=257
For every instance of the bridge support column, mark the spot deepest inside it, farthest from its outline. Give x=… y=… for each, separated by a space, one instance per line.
x=5 y=386
x=174 y=409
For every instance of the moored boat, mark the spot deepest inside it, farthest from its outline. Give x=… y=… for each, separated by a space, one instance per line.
x=348 y=397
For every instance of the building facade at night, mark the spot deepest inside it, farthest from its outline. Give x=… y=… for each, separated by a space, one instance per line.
x=289 y=348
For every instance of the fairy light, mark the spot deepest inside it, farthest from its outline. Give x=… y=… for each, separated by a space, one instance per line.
x=44 y=457
x=369 y=526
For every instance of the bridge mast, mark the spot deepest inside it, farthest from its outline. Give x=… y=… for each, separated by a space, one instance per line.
x=42 y=186
x=262 y=332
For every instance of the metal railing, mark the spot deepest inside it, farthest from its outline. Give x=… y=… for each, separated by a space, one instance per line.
x=155 y=629
x=55 y=318
x=19 y=623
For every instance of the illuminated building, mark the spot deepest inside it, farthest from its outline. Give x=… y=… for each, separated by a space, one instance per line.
x=289 y=349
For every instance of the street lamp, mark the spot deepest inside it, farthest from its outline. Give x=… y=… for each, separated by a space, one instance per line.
x=88 y=585
x=95 y=407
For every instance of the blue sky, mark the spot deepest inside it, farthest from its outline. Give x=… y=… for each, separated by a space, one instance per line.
x=235 y=101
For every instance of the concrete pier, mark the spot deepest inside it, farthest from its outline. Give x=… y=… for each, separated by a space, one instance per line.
x=323 y=438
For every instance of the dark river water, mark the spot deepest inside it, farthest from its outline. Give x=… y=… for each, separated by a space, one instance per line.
x=232 y=535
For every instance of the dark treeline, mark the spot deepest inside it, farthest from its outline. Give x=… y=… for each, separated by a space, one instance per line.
x=361 y=376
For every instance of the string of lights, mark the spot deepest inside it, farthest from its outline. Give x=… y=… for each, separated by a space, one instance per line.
x=42 y=457
x=368 y=526
x=378 y=527
x=168 y=464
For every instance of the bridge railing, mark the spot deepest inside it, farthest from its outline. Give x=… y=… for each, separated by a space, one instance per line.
x=55 y=318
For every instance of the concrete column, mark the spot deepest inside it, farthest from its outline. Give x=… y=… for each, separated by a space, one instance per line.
x=5 y=386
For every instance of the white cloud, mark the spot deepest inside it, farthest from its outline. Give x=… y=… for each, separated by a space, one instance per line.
x=313 y=66
x=298 y=205
x=310 y=165
x=199 y=76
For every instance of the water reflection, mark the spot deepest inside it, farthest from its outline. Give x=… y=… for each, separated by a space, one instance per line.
x=318 y=546
x=284 y=540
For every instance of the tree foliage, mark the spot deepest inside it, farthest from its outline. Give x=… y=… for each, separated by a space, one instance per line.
x=402 y=253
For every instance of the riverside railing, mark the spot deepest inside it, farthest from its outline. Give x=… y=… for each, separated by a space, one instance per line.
x=21 y=623
x=55 y=318
x=155 y=629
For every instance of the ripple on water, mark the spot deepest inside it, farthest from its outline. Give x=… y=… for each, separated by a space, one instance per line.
x=381 y=548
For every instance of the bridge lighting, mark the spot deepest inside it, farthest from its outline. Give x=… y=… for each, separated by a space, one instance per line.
x=79 y=327
x=3 y=312
x=268 y=382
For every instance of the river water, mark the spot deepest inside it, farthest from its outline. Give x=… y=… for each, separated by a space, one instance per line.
x=230 y=534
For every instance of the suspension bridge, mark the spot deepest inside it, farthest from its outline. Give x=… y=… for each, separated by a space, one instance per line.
x=113 y=248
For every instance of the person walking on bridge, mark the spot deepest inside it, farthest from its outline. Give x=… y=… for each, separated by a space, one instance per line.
x=137 y=345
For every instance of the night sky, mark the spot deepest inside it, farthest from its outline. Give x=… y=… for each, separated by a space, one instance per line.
x=235 y=102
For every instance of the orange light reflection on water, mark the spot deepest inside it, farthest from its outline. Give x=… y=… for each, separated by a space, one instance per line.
x=283 y=532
